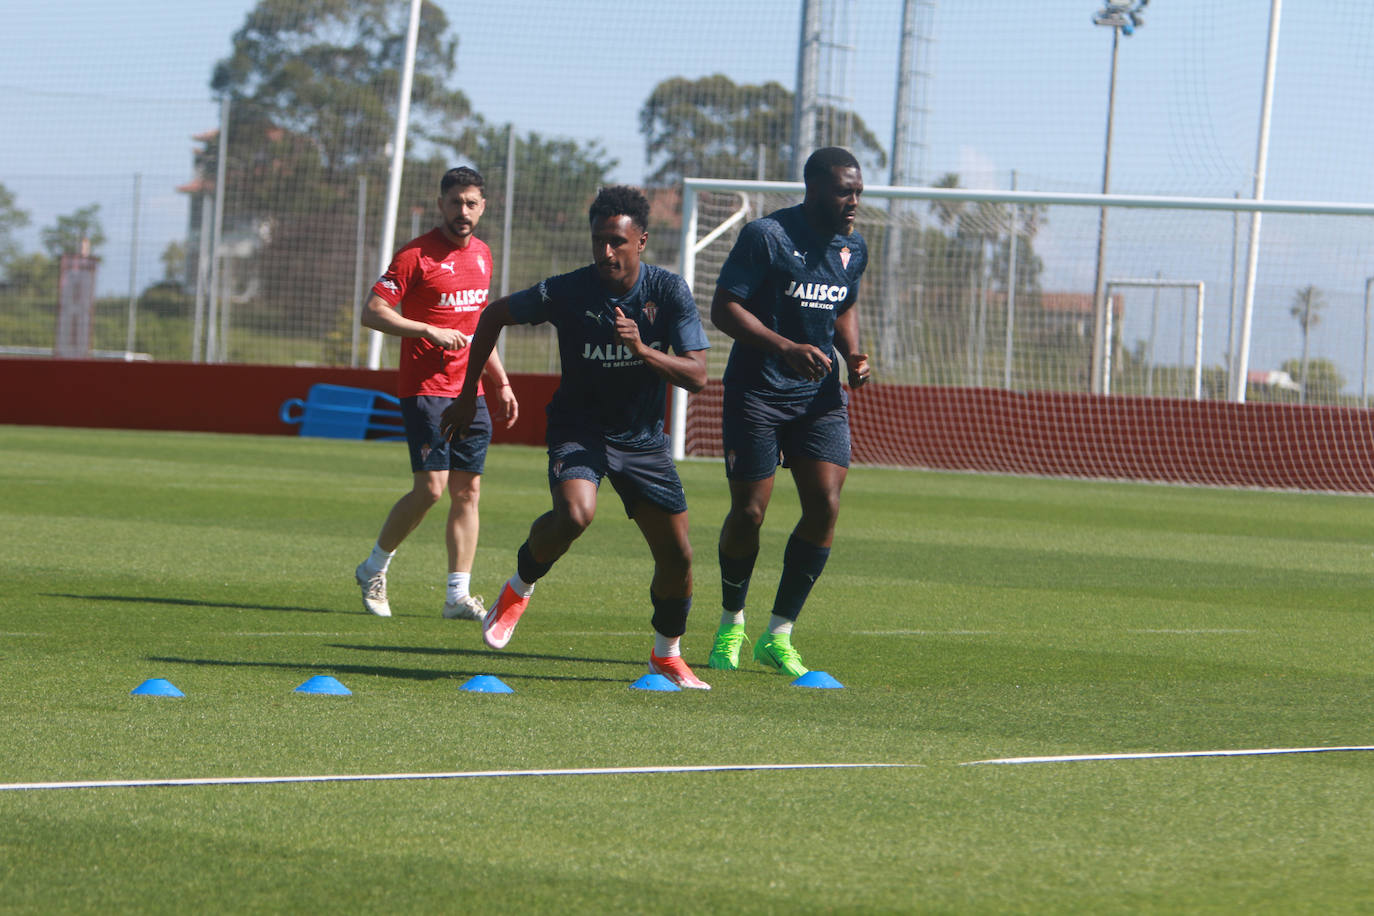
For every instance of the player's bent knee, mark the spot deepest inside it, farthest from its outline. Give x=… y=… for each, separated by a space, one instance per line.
x=573 y=519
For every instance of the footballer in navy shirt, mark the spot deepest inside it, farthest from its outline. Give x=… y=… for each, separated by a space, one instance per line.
x=626 y=330
x=788 y=296
x=605 y=388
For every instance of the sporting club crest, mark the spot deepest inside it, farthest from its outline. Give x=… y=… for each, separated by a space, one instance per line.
x=844 y=256
x=651 y=312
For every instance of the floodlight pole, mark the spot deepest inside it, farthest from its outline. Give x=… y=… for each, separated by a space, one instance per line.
x=1118 y=17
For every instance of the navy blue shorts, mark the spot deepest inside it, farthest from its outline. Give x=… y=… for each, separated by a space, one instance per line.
x=430 y=451
x=759 y=434
x=637 y=474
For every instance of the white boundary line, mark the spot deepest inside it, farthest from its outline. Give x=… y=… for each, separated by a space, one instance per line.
x=460 y=774
x=1157 y=755
x=618 y=771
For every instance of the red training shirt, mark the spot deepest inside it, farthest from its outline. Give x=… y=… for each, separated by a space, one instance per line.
x=433 y=280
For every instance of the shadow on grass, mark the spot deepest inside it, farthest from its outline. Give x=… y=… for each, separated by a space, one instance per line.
x=389 y=671
x=191 y=602
x=448 y=650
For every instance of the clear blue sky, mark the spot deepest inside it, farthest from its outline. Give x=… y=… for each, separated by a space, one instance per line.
x=104 y=89
x=92 y=92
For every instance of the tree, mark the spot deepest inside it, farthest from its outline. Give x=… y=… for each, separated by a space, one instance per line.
x=714 y=128
x=1307 y=306
x=313 y=87
x=330 y=70
x=69 y=232
x=11 y=219
x=173 y=259
x=1319 y=379
x=965 y=263
x=555 y=181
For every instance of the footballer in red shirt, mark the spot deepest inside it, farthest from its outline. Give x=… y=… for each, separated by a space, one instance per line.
x=431 y=297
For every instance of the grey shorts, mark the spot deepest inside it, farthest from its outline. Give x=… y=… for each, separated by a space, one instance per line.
x=637 y=474
x=758 y=434
x=430 y=451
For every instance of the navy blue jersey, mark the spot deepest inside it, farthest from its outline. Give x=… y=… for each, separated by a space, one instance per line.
x=796 y=282
x=604 y=387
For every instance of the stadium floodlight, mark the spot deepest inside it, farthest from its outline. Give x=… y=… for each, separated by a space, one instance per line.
x=1119 y=17
x=1123 y=16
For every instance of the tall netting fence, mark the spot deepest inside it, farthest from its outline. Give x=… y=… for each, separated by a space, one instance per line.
x=264 y=257
x=996 y=290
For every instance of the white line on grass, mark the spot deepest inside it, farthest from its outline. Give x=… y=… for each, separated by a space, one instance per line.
x=1156 y=755
x=461 y=774
x=292 y=633
x=929 y=632
x=1191 y=632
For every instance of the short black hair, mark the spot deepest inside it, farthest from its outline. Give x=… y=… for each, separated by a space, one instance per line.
x=824 y=161
x=620 y=200
x=464 y=176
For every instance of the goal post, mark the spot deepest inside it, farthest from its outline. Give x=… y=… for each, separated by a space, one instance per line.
x=1199 y=291
x=992 y=291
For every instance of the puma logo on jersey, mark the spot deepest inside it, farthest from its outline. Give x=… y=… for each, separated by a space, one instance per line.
x=594 y=316
x=448 y=266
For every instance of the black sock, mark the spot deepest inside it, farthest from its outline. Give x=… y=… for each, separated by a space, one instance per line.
x=802 y=563
x=734 y=579
x=670 y=615
x=527 y=567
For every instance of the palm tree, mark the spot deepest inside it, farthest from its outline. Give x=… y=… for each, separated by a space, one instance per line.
x=1308 y=303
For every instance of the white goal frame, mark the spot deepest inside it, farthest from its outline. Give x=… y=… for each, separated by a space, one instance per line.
x=1198 y=287
x=692 y=245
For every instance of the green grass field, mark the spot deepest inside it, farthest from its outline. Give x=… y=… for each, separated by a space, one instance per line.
x=969 y=617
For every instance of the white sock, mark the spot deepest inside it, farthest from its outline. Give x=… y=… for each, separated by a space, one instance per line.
x=458 y=584
x=778 y=624
x=667 y=646
x=378 y=560
x=732 y=618
x=520 y=586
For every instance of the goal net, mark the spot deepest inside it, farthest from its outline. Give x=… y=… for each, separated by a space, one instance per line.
x=979 y=312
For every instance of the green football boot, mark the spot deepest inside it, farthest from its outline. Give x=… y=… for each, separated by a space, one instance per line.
x=725 y=650
x=774 y=650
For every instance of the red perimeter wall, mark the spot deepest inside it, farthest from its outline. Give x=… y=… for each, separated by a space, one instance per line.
x=203 y=398
x=1080 y=435
x=980 y=429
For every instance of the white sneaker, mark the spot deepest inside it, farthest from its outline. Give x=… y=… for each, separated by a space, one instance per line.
x=374 y=591
x=468 y=607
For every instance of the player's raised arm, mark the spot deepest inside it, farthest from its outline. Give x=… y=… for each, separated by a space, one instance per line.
x=686 y=370
x=730 y=316
x=380 y=315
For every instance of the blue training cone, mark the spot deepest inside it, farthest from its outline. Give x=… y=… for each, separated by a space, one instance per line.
x=817 y=679
x=486 y=683
x=654 y=682
x=323 y=683
x=156 y=687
